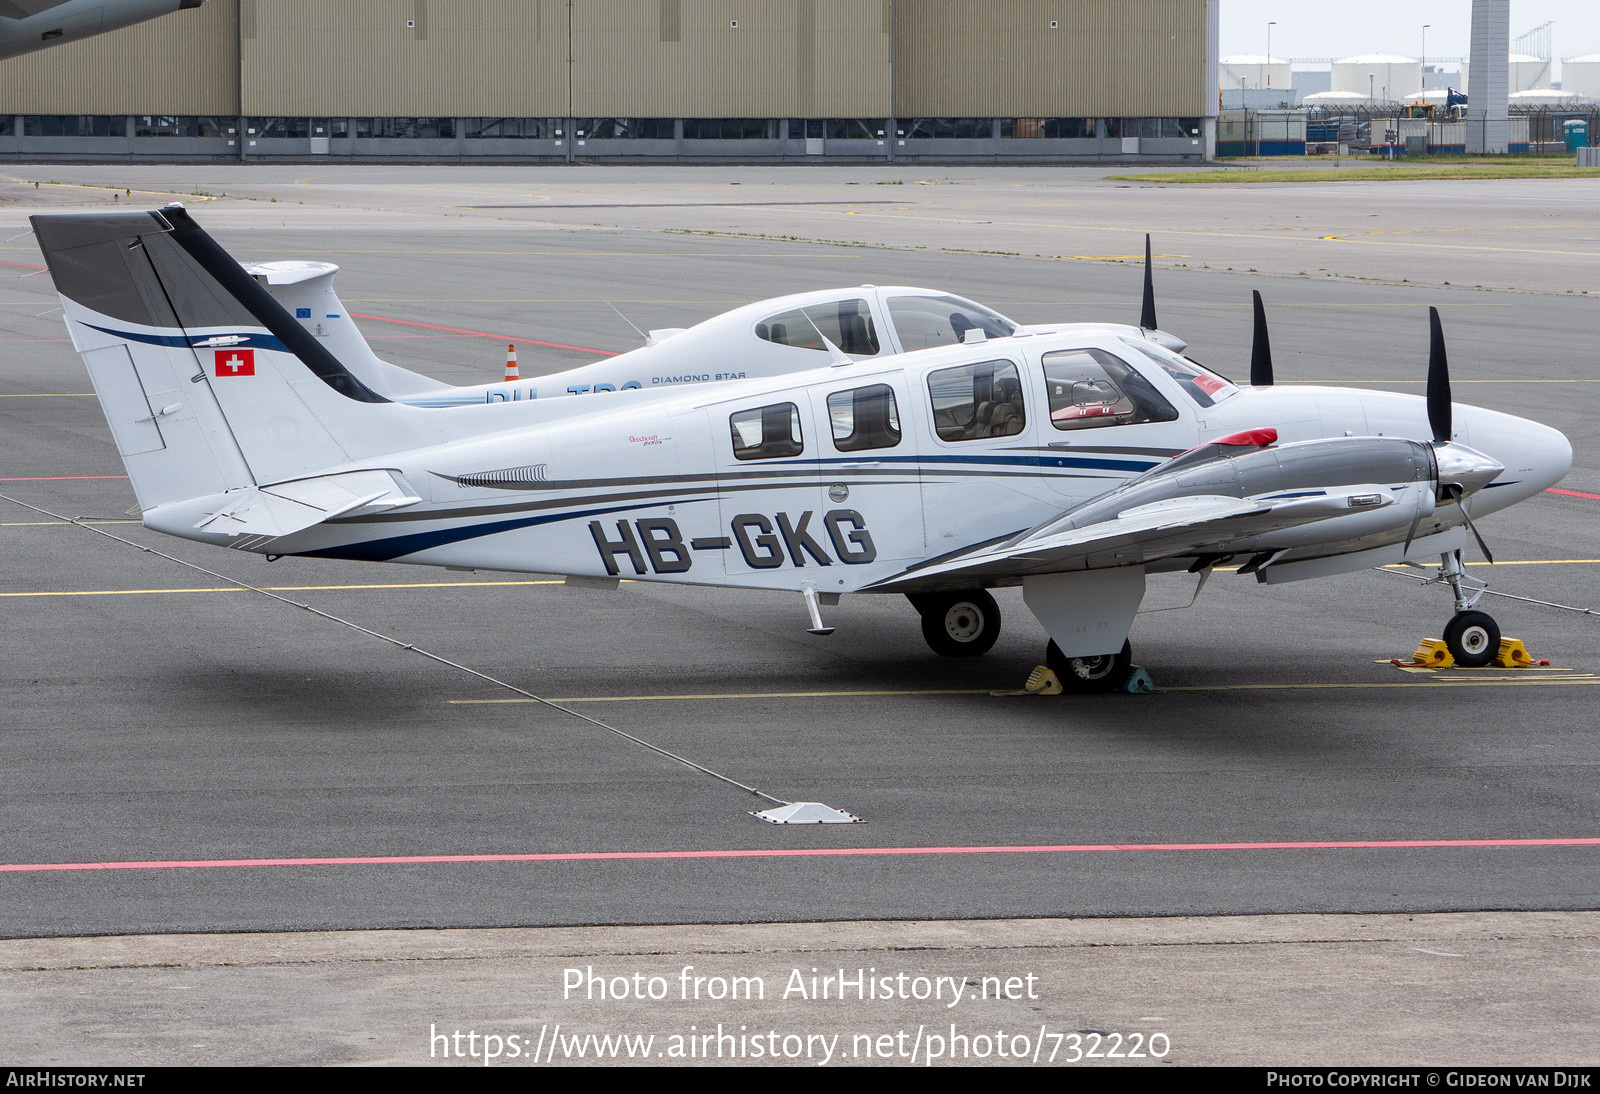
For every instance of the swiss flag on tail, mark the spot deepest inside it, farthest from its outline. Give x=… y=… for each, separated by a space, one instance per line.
x=235 y=362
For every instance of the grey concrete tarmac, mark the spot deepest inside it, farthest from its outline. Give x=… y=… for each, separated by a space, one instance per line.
x=183 y=725
x=1453 y=990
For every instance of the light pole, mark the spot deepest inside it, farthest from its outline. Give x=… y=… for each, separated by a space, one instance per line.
x=1269 y=52
x=1425 y=27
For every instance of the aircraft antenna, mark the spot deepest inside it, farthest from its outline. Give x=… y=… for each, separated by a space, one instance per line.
x=840 y=357
x=625 y=319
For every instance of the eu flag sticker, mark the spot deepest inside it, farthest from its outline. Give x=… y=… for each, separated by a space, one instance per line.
x=302 y=313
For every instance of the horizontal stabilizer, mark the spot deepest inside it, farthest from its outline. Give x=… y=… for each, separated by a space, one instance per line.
x=288 y=507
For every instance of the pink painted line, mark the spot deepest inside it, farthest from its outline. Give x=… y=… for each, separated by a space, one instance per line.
x=814 y=852
x=65 y=478
x=485 y=334
x=25 y=265
x=1573 y=494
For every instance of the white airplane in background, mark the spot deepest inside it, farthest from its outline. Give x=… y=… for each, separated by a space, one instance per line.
x=1071 y=460
x=768 y=338
x=28 y=25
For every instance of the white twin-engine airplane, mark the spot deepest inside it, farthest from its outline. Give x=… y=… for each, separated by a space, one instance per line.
x=1073 y=460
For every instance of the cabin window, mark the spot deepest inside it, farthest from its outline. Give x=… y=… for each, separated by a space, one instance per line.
x=923 y=322
x=864 y=418
x=1090 y=388
x=767 y=432
x=972 y=402
x=846 y=323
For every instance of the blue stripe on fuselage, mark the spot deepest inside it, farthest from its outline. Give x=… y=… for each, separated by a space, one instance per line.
x=386 y=550
x=251 y=341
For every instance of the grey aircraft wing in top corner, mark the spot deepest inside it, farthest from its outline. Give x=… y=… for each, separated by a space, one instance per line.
x=28 y=25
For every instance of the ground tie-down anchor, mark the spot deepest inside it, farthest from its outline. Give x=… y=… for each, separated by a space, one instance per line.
x=806 y=813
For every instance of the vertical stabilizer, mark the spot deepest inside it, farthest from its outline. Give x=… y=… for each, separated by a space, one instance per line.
x=168 y=427
x=208 y=383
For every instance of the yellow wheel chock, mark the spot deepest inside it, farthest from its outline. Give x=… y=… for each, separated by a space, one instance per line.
x=1042 y=681
x=1432 y=654
x=1514 y=655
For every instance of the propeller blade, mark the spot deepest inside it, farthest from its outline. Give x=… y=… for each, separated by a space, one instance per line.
x=1260 y=348
x=1438 y=380
x=1147 y=317
x=1455 y=492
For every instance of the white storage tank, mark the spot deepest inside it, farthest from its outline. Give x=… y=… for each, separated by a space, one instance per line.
x=1524 y=72
x=1252 y=71
x=1582 y=75
x=1333 y=99
x=1383 y=77
x=1546 y=97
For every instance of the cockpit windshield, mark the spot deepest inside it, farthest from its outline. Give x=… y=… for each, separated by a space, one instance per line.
x=923 y=322
x=1202 y=385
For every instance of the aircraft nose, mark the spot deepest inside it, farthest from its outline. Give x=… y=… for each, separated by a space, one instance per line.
x=1543 y=455
x=1535 y=456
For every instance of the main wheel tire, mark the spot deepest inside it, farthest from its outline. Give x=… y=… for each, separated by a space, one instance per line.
x=1107 y=672
x=961 y=624
x=1473 y=638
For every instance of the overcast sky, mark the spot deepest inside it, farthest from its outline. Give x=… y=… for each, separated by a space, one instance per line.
x=1395 y=26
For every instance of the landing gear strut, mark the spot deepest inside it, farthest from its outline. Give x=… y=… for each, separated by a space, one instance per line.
x=1107 y=672
x=959 y=624
x=1472 y=637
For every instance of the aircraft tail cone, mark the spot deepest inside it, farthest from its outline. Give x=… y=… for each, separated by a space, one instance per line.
x=806 y=813
x=511 y=363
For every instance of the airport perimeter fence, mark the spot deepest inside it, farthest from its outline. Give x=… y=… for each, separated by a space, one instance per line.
x=39 y=138
x=1386 y=130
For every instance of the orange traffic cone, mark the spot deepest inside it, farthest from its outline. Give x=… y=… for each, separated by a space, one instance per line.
x=511 y=363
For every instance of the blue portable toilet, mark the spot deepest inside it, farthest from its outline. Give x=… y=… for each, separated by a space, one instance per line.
x=1576 y=133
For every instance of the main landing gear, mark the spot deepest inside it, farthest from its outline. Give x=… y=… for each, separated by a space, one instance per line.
x=1107 y=672
x=1472 y=637
x=965 y=623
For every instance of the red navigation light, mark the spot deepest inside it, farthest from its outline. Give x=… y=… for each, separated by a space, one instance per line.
x=1250 y=438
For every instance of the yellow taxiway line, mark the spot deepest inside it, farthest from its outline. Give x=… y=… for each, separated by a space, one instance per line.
x=500 y=584
x=1544 y=681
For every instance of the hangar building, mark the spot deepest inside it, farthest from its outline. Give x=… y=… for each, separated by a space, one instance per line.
x=554 y=80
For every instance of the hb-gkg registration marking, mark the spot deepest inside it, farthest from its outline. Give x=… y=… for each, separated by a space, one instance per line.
x=765 y=542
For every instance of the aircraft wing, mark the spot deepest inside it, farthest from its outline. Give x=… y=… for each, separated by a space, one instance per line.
x=22 y=9
x=1200 y=524
x=268 y=512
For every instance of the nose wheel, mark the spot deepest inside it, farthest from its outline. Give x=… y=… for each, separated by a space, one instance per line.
x=1473 y=638
x=1107 y=672
x=959 y=624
